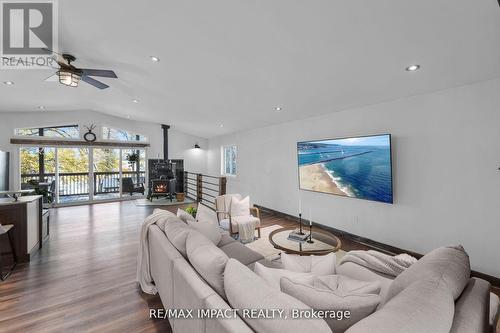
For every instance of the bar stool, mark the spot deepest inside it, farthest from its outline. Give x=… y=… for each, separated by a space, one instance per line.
x=7 y=229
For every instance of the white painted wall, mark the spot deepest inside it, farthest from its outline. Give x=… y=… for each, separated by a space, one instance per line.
x=446 y=180
x=180 y=144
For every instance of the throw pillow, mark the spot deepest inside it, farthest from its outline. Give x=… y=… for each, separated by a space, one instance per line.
x=344 y=285
x=211 y=231
x=348 y=307
x=184 y=216
x=239 y=207
x=176 y=232
x=161 y=216
x=273 y=275
x=246 y=291
x=205 y=214
x=448 y=266
x=208 y=260
x=316 y=265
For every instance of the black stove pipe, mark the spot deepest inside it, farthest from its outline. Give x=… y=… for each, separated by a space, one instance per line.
x=165 y=141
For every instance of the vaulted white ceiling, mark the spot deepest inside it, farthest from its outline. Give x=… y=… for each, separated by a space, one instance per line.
x=232 y=62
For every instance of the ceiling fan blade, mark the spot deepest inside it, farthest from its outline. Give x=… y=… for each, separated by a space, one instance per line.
x=99 y=72
x=51 y=51
x=94 y=82
x=53 y=78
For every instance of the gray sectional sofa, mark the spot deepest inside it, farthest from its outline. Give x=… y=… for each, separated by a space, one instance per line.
x=436 y=294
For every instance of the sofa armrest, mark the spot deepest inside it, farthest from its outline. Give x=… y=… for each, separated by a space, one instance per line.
x=494 y=312
x=472 y=308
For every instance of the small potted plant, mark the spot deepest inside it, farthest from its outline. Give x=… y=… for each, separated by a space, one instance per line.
x=132 y=159
x=191 y=211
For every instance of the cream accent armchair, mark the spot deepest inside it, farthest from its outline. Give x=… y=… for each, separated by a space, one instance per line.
x=222 y=208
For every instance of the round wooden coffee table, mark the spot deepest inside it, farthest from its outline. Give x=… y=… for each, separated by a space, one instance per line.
x=324 y=242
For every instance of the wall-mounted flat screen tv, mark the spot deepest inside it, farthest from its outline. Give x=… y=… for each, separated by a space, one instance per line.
x=357 y=167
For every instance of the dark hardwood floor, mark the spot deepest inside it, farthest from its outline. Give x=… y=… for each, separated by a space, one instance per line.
x=83 y=280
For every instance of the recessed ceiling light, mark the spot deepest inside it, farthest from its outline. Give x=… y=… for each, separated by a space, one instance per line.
x=155 y=59
x=412 y=68
x=128 y=116
x=41 y=107
x=221 y=125
x=135 y=101
x=9 y=83
x=278 y=109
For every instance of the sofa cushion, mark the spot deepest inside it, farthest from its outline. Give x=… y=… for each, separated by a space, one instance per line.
x=185 y=216
x=266 y=262
x=205 y=214
x=447 y=266
x=358 y=272
x=337 y=293
x=164 y=215
x=207 y=259
x=226 y=325
x=494 y=311
x=420 y=308
x=471 y=308
x=209 y=230
x=240 y=252
x=246 y=290
x=316 y=265
x=272 y=276
x=344 y=285
x=177 y=231
x=225 y=239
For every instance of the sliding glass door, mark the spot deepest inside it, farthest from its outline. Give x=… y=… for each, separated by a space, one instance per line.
x=69 y=175
x=133 y=171
x=106 y=173
x=73 y=175
x=38 y=171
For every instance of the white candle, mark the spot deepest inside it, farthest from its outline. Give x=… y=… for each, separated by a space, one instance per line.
x=310 y=217
x=300 y=204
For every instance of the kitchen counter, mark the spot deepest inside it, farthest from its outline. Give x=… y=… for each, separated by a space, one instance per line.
x=26 y=216
x=20 y=200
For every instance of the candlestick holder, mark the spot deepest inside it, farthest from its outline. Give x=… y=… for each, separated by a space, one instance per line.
x=310 y=241
x=300 y=225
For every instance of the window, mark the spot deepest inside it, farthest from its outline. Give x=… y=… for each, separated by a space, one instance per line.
x=66 y=131
x=228 y=160
x=116 y=134
x=82 y=174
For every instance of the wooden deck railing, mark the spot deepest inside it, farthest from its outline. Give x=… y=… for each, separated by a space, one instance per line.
x=76 y=183
x=204 y=188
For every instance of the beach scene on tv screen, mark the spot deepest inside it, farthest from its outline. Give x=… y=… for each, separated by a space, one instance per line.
x=357 y=167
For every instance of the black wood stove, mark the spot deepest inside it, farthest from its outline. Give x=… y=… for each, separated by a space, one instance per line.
x=162 y=180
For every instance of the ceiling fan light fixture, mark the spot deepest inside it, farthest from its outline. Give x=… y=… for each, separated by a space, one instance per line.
x=68 y=78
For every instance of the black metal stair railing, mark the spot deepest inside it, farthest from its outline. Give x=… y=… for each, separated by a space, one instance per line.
x=204 y=188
